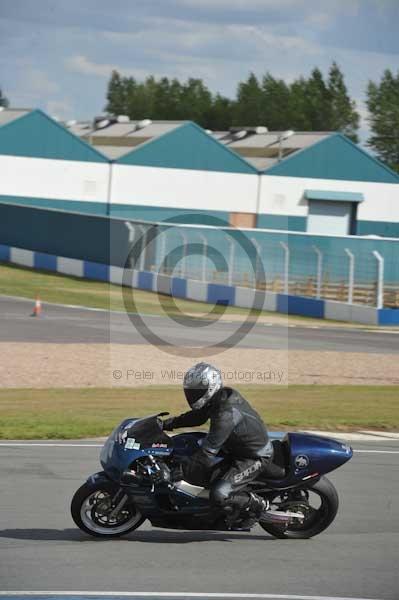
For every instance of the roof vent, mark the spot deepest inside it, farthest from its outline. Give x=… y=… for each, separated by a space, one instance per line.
x=239 y=135
x=103 y=123
x=286 y=134
x=2 y=108
x=261 y=129
x=71 y=123
x=143 y=123
x=122 y=119
x=209 y=131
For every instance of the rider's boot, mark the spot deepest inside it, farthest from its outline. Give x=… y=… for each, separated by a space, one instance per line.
x=253 y=511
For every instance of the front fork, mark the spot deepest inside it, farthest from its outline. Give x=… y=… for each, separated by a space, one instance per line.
x=118 y=501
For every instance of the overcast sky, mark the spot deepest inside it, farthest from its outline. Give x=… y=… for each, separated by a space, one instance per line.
x=58 y=55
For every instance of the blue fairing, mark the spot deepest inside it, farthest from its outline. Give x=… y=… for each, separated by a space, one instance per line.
x=146 y=434
x=308 y=456
x=324 y=454
x=311 y=456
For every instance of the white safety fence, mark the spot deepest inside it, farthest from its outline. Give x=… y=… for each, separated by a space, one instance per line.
x=255 y=260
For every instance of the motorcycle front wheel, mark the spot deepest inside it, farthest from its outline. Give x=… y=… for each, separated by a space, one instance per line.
x=93 y=509
x=318 y=504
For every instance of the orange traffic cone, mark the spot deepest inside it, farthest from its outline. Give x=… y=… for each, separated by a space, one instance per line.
x=37 y=309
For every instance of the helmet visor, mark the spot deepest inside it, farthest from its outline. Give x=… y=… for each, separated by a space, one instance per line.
x=194 y=394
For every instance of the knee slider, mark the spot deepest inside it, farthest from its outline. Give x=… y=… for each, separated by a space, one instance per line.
x=220 y=492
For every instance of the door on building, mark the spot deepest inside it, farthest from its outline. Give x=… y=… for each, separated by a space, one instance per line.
x=329 y=217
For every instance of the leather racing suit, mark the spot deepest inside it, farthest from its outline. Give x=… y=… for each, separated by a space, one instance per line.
x=237 y=429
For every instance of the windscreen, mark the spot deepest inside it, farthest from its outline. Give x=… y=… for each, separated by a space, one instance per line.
x=148 y=431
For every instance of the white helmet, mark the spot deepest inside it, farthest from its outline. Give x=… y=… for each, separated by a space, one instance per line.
x=201 y=383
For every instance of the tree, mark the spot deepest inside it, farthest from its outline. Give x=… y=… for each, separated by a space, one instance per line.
x=249 y=107
x=344 y=116
x=195 y=101
x=167 y=99
x=318 y=102
x=141 y=98
x=383 y=106
x=276 y=111
x=298 y=106
x=116 y=95
x=3 y=100
x=305 y=105
x=220 y=115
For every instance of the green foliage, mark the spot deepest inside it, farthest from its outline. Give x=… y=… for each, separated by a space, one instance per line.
x=318 y=101
x=317 y=105
x=163 y=100
x=3 y=100
x=383 y=106
x=277 y=104
x=343 y=115
x=306 y=104
x=248 y=108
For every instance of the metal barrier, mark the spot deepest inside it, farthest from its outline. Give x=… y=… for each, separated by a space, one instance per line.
x=347 y=269
x=351 y=269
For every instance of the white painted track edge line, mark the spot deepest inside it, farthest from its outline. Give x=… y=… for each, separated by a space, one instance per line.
x=75 y=306
x=48 y=445
x=178 y=595
x=348 y=329
x=376 y=451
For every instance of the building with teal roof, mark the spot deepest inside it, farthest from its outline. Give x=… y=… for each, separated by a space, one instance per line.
x=331 y=187
x=314 y=182
x=69 y=189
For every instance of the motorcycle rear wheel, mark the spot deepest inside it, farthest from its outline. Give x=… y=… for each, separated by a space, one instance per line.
x=316 y=520
x=91 y=508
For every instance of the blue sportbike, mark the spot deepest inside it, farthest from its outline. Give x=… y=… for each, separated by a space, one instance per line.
x=135 y=485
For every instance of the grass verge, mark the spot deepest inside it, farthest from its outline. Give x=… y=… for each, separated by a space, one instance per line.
x=63 y=289
x=90 y=412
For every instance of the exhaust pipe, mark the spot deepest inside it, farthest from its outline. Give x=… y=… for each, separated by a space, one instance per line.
x=280 y=517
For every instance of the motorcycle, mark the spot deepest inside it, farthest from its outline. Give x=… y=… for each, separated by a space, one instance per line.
x=135 y=485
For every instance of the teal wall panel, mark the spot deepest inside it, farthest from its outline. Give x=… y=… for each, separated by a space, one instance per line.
x=96 y=239
x=81 y=206
x=155 y=213
x=138 y=212
x=284 y=222
x=187 y=147
x=35 y=135
x=54 y=232
x=385 y=229
x=334 y=157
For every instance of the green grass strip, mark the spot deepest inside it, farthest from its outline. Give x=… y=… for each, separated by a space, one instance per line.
x=89 y=412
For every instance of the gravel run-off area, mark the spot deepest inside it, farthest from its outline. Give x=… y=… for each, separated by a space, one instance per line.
x=78 y=365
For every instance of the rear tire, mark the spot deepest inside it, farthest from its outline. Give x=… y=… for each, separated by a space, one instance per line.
x=319 y=520
x=89 y=508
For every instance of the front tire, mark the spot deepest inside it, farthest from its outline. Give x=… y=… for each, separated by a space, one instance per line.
x=91 y=509
x=316 y=520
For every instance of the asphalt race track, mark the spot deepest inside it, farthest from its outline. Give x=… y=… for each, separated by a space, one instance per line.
x=41 y=549
x=60 y=324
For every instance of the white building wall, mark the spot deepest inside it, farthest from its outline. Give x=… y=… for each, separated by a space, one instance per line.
x=54 y=179
x=178 y=188
x=190 y=189
x=285 y=196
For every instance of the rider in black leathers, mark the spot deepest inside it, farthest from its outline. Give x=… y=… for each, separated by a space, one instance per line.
x=236 y=428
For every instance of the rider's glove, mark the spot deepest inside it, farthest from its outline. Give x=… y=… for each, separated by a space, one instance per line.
x=161 y=474
x=168 y=424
